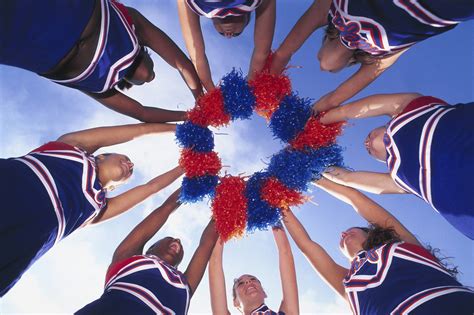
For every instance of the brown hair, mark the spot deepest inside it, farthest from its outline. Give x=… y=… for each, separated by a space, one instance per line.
x=378 y=235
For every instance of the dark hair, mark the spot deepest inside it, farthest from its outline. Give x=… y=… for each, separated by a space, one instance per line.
x=124 y=84
x=359 y=56
x=378 y=235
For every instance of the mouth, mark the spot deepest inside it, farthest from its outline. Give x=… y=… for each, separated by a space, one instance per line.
x=251 y=289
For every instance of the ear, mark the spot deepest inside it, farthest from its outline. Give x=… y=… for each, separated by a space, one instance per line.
x=236 y=302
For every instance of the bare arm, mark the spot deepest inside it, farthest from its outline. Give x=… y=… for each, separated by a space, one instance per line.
x=126 y=105
x=129 y=199
x=367 y=209
x=376 y=183
x=151 y=36
x=201 y=256
x=289 y=303
x=217 y=281
x=366 y=74
x=95 y=138
x=371 y=106
x=135 y=241
x=263 y=36
x=192 y=33
x=332 y=273
x=312 y=19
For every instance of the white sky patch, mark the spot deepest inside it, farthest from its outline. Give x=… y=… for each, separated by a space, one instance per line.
x=311 y=303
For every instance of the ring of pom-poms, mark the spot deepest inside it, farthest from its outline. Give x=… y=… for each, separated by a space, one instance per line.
x=255 y=202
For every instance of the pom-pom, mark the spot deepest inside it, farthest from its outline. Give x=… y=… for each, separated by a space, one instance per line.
x=229 y=207
x=239 y=100
x=290 y=118
x=199 y=163
x=292 y=168
x=278 y=195
x=196 y=188
x=260 y=215
x=209 y=110
x=269 y=90
x=325 y=157
x=194 y=137
x=315 y=134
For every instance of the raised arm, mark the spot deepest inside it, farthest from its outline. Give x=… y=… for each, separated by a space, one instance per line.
x=129 y=199
x=135 y=241
x=366 y=74
x=289 y=303
x=93 y=139
x=332 y=273
x=376 y=183
x=192 y=33
x=198 y=263
x=371 y=106
x=263 y=36
x=315 y=17
x=367 y=208
x=151 y=36
x=123 y=104
x=217 y=282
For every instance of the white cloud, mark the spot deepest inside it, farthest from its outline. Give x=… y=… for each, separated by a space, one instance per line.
x=311 y=302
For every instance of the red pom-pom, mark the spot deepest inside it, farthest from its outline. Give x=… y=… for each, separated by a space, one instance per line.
x=229 y=207
x=316 y=135
x=209 y=110
x=269 y=90
x=278 y=195
x=199 y=163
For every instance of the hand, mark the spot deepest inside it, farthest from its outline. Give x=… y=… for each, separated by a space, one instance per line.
x=279 y=62
x=335 y=174
x=325 y=103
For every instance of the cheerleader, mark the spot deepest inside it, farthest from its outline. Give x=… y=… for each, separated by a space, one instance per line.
x=373 y=33
x=230 y=18
x=93 y=46
x=61 y=187
x=248 y=294
x=150 y=283
x=428 y=146
x=390 y=271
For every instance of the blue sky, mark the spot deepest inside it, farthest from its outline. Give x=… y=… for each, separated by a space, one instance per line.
x=34 y=111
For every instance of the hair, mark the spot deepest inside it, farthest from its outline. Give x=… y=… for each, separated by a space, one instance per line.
x=124 y=84
x=359 y=55
x=378 y=235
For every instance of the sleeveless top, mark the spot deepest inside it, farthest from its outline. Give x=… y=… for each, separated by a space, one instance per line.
x=264 y=310
x=223 y=8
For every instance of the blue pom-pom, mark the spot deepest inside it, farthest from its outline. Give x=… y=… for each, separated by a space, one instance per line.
x=260 y=215
x=290 y=118
x=293 y=168
x=195 y=137
x=239 y=100
x=325 y=157
x=196 y=188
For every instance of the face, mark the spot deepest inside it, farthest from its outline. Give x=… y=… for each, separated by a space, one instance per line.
x=374 y=143
x=352 y=241
x=231 y=26
x=248 y=291
x=114 y=169
x=141 y=70
x=333 y=56
x=169 y=249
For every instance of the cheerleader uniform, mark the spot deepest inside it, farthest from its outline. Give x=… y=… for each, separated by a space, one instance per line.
x=37 y=35
x=224 y=8
x=47 y=194
x=402 y=278
x=382 y=27
x=430 y=149
x=142 y=284
x=264 y=310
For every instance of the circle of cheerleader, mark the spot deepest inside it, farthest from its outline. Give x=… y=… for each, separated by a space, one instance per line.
x=255 y=202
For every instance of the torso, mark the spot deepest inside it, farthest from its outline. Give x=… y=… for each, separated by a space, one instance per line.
x=397 y=279
x=264 y=310
x=222 y=9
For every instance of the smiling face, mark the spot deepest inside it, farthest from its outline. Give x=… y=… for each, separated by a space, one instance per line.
x=374 y=143
x=352 y=242
x=248 y=291
x=114 y=169
x=169 y=249
x=231 y=26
